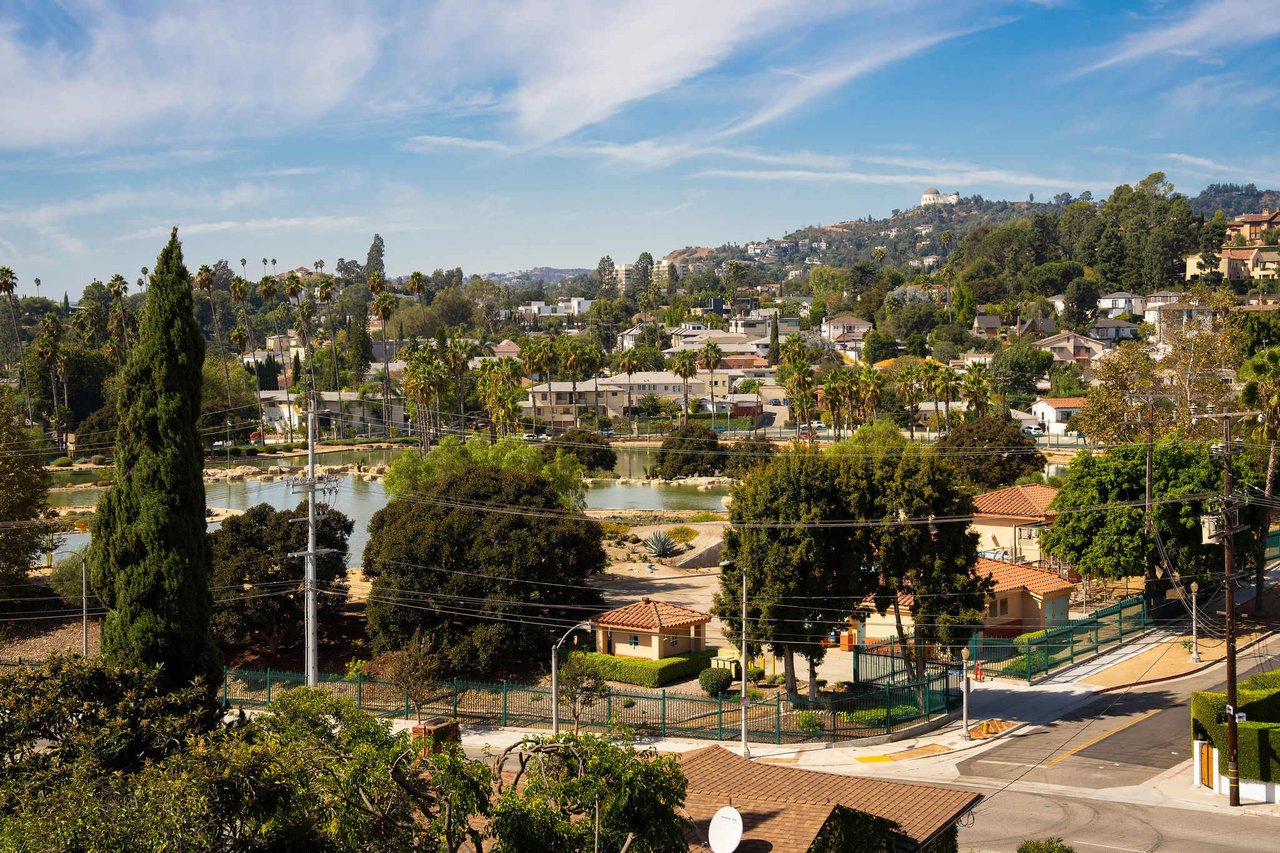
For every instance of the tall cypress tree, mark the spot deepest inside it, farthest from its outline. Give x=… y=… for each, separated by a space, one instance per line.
x=149 y=555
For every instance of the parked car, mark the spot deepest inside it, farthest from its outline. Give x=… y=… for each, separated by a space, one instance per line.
x=530 y=436
x=607 y=433
x=1033 y=430
x=775 y=402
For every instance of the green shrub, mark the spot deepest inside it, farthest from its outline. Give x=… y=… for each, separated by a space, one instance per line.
x=755 y=673
x=235 y=451
x=628 y=703
x=689 y=451
x=660 y=545
x=587 y=446
x=682 y=534
x=776 y=678
x=61 y=462
x=1048 y=845
x=1018 y=666
x=707 y=515
x=650 y=673
x=715 y=681
x=1259 y=735
x=874 y=718
x=615 y=529
x=1021 y=641
x=98 y=459
x=809 y=721
x=251 y=451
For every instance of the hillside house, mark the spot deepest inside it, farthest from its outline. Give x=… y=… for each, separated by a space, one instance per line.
x=1252 y=226
x=1054 y=412
x=1072 y=348
x=1120 y=302
x=1009 y=521
x=1112 y=332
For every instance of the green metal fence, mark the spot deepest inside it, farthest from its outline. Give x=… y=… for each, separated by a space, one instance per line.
x=1036 y=655
x=865 y=710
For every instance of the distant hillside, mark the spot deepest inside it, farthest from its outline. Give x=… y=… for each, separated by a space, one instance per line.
x=1234 y=199
x=547 y=274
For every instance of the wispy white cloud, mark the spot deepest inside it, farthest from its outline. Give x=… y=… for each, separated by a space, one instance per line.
x=1214 y=168
x=804 y=87
x=655 y=153
x=1210 y=26
x=133 y=73
x=289 y=172
x=427 y=144
x=273 y=223
x=963 y=178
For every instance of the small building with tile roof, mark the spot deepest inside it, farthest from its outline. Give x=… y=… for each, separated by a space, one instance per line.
x=651 y=629
x=1009 y=521
x=788 y=809
x=1023 y=598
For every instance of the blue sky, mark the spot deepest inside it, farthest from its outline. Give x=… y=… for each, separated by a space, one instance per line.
x=502 y=135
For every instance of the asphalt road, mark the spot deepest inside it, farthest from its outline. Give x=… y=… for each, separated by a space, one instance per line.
x=1115 y=741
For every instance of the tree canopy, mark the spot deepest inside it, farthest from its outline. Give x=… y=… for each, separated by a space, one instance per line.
x=24 y=498
x=484 y=562
x=990 y=452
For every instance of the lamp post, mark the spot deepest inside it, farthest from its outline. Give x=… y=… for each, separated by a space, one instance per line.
x=743 y=701
x=1195 y=640
x=555 y=676
x=964 y=655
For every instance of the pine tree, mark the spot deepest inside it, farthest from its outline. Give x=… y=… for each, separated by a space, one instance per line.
x=373 y=262
x=149 y=555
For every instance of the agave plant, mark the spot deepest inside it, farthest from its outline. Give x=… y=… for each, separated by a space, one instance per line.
x=659 y=544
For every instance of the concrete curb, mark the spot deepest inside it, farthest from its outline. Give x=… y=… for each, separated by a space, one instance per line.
x=1167 y=678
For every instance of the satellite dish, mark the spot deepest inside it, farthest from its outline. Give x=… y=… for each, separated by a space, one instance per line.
x=725 y=832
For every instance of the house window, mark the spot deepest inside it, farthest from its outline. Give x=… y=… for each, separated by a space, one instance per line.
x=992 y=609
x=675 y=641
x=1004 y=607
x=635 y=641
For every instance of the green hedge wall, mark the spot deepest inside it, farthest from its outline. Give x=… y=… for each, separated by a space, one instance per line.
x=649 y=673
x=1259 y=735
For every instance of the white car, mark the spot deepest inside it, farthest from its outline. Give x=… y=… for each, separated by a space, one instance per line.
x=1033 y=430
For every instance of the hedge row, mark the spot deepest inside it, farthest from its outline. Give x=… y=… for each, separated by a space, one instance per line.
x=874 y=718
x=1259 y=736
x=649 y=673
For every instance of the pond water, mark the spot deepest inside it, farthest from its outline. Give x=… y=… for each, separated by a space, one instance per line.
x=360 y=500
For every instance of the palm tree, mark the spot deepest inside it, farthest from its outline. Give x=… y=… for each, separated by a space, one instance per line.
x=293 y=290
x=871 y=385
x=264 y=267
x=244 y=268
x=949 y=386
x=239 y=295
x=910 y=388
x=931 y=374
x=685 y=365
x=1262 y=392
x=629 y=363
x=573 y=355
x=384 y=305
x=204 y=282
x=800 y=385
x=8 y=286
x=498 y=380
x=457 y=356
x=325 y=293
x=593 y=359
x=976 y=389
x=118 y=288
x=417 y=284
x=709 y=357
x=539 y=356
x=319 y=266
x=837 y=395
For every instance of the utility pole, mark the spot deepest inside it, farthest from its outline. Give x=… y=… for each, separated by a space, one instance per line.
x=1227 y=529
x=744 y=702
x=309 y=583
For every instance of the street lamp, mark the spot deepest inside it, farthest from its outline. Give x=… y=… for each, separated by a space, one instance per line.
x=555 y=676
x=964 y=655
x=744 y=703
x=1195 y=643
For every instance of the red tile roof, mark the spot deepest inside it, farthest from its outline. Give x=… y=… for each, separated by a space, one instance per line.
x=1030 y=501
x=651 y=615
x=1065 y=402
x=784 y=808
x=1010 y=576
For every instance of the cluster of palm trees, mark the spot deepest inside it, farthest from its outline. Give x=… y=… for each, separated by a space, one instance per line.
x=561 y=358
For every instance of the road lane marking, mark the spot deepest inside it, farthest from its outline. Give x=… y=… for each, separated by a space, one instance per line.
x=1102 y=737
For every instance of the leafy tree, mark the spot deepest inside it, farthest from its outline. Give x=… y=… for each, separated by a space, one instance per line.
x=464 y=560
x=1099 y=528
x=965 y=306
x=24 y=498
x=373 y=264
x=641 y=277
x=562 y=785
x=878 y=346
x=413 y=471
x=254 y=553
x=691 y=450
x=581 y=687
x=990 y=452
x=745 y=453
x=607 y=278
x=149 y=557
x=1020 y=367
x=1079 y=304
x=590 y=448
x=803 y=579
x=1212 y=235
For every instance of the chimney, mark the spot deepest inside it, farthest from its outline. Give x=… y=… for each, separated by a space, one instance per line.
x=1266 y=211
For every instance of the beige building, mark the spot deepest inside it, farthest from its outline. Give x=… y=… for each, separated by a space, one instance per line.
x=651 y=629
x=1009 y=521
x=1023 y=599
